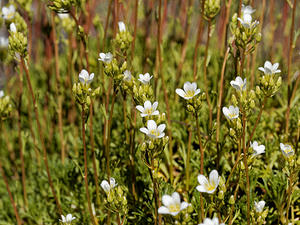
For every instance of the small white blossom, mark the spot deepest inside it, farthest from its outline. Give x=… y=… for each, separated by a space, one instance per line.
x=68 y=219
x=231 y=112
x=259 y=206
x=246 y=19
x=13 y=28
x=239 y=84
x=108 y=186
x=85 y=77
x=122 y=26
x=148 y=109
x=3 y=42
x=145 y=78
x=8 y=12
x=189 y=90
x=286 y=149
x=208 y=186
x=208 y=221
x=127 y=75
x=63 y=15
x=172 y=204
x=152 y=130
x=269 y=68
x=247 y=9
x=258 y=149
x=1 y=93
x=105 y=57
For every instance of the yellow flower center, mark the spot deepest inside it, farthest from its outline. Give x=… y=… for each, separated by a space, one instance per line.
x=174 y=207
x=189 y=93
x=210 y=186
x=10 y=15
x=154 y=132
x=149 y=111
x=231 y=115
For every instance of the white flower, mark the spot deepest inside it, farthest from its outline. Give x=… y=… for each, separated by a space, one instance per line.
x=246 y=19
x=13 y=28
x=259 y=206
x=208 y=186
x=247 y=9
x=127 y=75
x=85 y=77
x=152 y=130
x=239 y=84
x=269 y=68
x=8 y=12
x=68 y=219
x=231 y=112
x=63 y=15
x=148 y=109
x=122 y=26
x=3 y=42
x=214 y=221
x=145 y=79
x=1 y=93
x=286 y=149
x=189 y=90
x=258 y=149
x=172 y=204
x=108 y=186
x=105 y=57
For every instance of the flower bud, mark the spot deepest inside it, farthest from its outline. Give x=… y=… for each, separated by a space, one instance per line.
x=231 y=200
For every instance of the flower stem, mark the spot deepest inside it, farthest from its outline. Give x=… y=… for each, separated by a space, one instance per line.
x=201 y=162
x=59 y=96
x=85 y=164
x=188 y=159
x=20 y=94
x=205 y=74
x=219 y=105
x=19 y=221
x=41 y=135
x=165 y=91
x=289 y=100
x=246 y=169
x=289 y=196
x=94 y=154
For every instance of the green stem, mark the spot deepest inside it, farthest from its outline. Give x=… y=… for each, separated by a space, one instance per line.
x=188 y=160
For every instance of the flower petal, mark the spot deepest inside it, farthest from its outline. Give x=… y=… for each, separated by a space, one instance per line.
x=167 y=200
x=144 y=130
x=163 y=210
x=202 y=179
x=176 y=197
x=140 y=108
x=180 y=92
x=151 y=125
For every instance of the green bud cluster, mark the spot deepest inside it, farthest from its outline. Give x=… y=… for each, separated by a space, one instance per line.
x=211 y=9
x=193 y=105
x=269 y=84
x=152 y=148
x=123 y=40
x=17 y=44
x=236 y=128
x=5 y=107
x=246 y=101
x=68 y=24
x=20 y=23
x=244 y=38
x=83 y=94
x=115 y=71
x=116 y=200
x=62 y=5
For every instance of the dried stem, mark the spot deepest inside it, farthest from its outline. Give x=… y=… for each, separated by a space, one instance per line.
x=224 y=27
x=41 y=135
x=135 y=28
x=289 y=100
x=85 y=164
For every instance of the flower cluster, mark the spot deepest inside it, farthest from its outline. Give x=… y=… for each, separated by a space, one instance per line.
x=123 y=38
x=5 y=106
